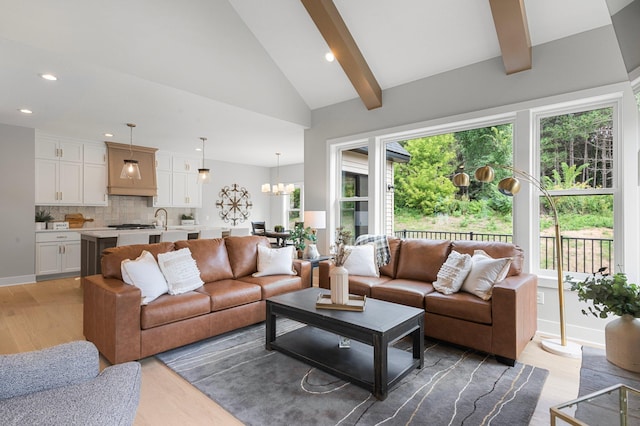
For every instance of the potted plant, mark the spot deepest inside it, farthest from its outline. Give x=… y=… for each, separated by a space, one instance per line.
x=187 y=219
x=613 y=294
x=299 y=236
x=42 y=217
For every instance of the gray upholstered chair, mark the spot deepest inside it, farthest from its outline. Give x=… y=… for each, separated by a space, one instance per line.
x=63 y=385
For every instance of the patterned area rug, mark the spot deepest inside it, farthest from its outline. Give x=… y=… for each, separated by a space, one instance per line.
x=456 y=386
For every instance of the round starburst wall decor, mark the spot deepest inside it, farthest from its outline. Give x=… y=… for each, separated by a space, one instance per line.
x=234 y=204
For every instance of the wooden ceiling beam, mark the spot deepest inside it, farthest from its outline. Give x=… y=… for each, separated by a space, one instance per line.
x=510 y=20
x=335 y=32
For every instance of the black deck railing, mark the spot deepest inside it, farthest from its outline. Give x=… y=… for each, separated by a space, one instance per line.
x=584 y=255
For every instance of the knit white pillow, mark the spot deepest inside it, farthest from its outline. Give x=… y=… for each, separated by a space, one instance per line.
x=145 y=274
x=180 y=270
x=452 y=273
x=275 y=261
x=485 y=272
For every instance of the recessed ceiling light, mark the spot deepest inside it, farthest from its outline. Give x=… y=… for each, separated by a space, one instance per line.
x=25 y=111
x=198 y=149
x=329 y=56
x=108 y=135
x=49 y=77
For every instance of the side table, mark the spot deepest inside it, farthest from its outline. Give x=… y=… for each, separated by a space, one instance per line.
x=316 y=262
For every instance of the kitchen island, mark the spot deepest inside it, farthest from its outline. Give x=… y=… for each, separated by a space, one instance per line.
x=94 y=242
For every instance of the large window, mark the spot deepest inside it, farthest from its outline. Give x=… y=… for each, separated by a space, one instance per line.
x=577 y=164
x=354 y=191
x=294 y=209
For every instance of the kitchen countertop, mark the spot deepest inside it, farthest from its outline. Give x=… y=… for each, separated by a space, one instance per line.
x=112 y=232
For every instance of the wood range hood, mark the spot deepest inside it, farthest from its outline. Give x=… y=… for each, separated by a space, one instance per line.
x=146 y=157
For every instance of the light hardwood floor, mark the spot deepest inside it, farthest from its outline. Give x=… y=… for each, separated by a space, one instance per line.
x=35 y=316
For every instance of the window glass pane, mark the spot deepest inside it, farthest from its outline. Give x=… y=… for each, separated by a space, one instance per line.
x=586 y=226
x=576 y=150
x=426 y=201
x=294 y=199
x=354 y=216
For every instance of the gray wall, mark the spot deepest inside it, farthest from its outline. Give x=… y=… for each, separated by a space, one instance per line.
x=17 y=192
x=627 y=26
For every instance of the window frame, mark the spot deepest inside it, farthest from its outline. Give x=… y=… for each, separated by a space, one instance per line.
x=580 y=105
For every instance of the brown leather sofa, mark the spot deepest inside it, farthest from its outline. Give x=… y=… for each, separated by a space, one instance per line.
x=231 y=298
x=502 y=325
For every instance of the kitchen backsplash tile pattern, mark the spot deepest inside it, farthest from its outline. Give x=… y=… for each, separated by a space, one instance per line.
x=121 y=209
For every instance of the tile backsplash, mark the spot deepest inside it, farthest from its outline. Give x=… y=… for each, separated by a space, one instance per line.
x=121 y=209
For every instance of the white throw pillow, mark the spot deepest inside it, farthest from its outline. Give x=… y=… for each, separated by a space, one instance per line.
x=362 y=261
x=180 y=270
x=453 y=272
x=275 y=261
x=485 y=272
x=145 y=274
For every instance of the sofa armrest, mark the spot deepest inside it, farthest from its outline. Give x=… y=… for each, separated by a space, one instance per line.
x=515 y=314
x=112 y=317
x=303 y=270
x=323 y=274
x=54 y=367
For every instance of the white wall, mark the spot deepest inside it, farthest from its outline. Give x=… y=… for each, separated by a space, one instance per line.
x=17 y=192
x=560 y=67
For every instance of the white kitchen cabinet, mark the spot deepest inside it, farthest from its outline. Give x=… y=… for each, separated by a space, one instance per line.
x=57 y=252
x=186 y=192
x=163 y=179
x=59 y=173
x=95 y=176
x=184 y=164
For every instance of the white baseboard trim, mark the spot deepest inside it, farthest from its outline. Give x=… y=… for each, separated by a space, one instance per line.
x=22 y=279
x=574 y=333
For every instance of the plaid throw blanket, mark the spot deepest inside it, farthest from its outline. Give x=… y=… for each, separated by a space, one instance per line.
x=383 y=254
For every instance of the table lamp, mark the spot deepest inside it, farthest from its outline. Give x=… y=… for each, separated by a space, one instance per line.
x=314 y=220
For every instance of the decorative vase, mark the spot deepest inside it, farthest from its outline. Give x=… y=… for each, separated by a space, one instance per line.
x=311 y=251
x=622 y=338
x=339 y=285
x=40 y=225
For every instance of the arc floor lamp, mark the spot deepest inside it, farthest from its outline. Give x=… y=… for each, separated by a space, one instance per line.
x=510 y=186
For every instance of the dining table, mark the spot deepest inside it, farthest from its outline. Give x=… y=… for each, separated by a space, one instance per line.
x=280 y=236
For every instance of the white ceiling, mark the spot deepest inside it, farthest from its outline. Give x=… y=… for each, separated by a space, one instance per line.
x=243 y=73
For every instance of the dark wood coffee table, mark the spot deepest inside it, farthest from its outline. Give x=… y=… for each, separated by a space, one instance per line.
x=370 y=362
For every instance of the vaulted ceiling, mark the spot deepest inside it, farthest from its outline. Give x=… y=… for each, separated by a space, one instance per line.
x=243 y=73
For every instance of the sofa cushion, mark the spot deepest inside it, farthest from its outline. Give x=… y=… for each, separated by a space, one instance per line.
x=453 y=272
x=363 y=285
x=421 y=259
x=272 y=285
x=226 y=294
x=243 y=253
x=394 y=249
x=211 y=257
x=167 y=309
x=461 y=305
x=362 y=261
x=180 y=270
x=145 y=274
x=275 y=261
x=112 y=257
x=494 y=249
x=485 y=272
x=405 y=292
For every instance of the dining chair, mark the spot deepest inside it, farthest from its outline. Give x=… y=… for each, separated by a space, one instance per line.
x=258 y=228
x=171 y=236
x=130 y=238
x=210 y=233
x=239 y=232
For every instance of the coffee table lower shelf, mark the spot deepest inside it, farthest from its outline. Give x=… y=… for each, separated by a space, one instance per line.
x=320 y=349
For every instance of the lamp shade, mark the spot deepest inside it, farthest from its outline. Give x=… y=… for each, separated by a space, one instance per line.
x=485 y=174
x=315 y=219
x=509 y=186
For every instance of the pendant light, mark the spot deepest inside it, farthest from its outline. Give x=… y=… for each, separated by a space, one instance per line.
x=130 y=170
x=203 y=173
x=278 y=188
